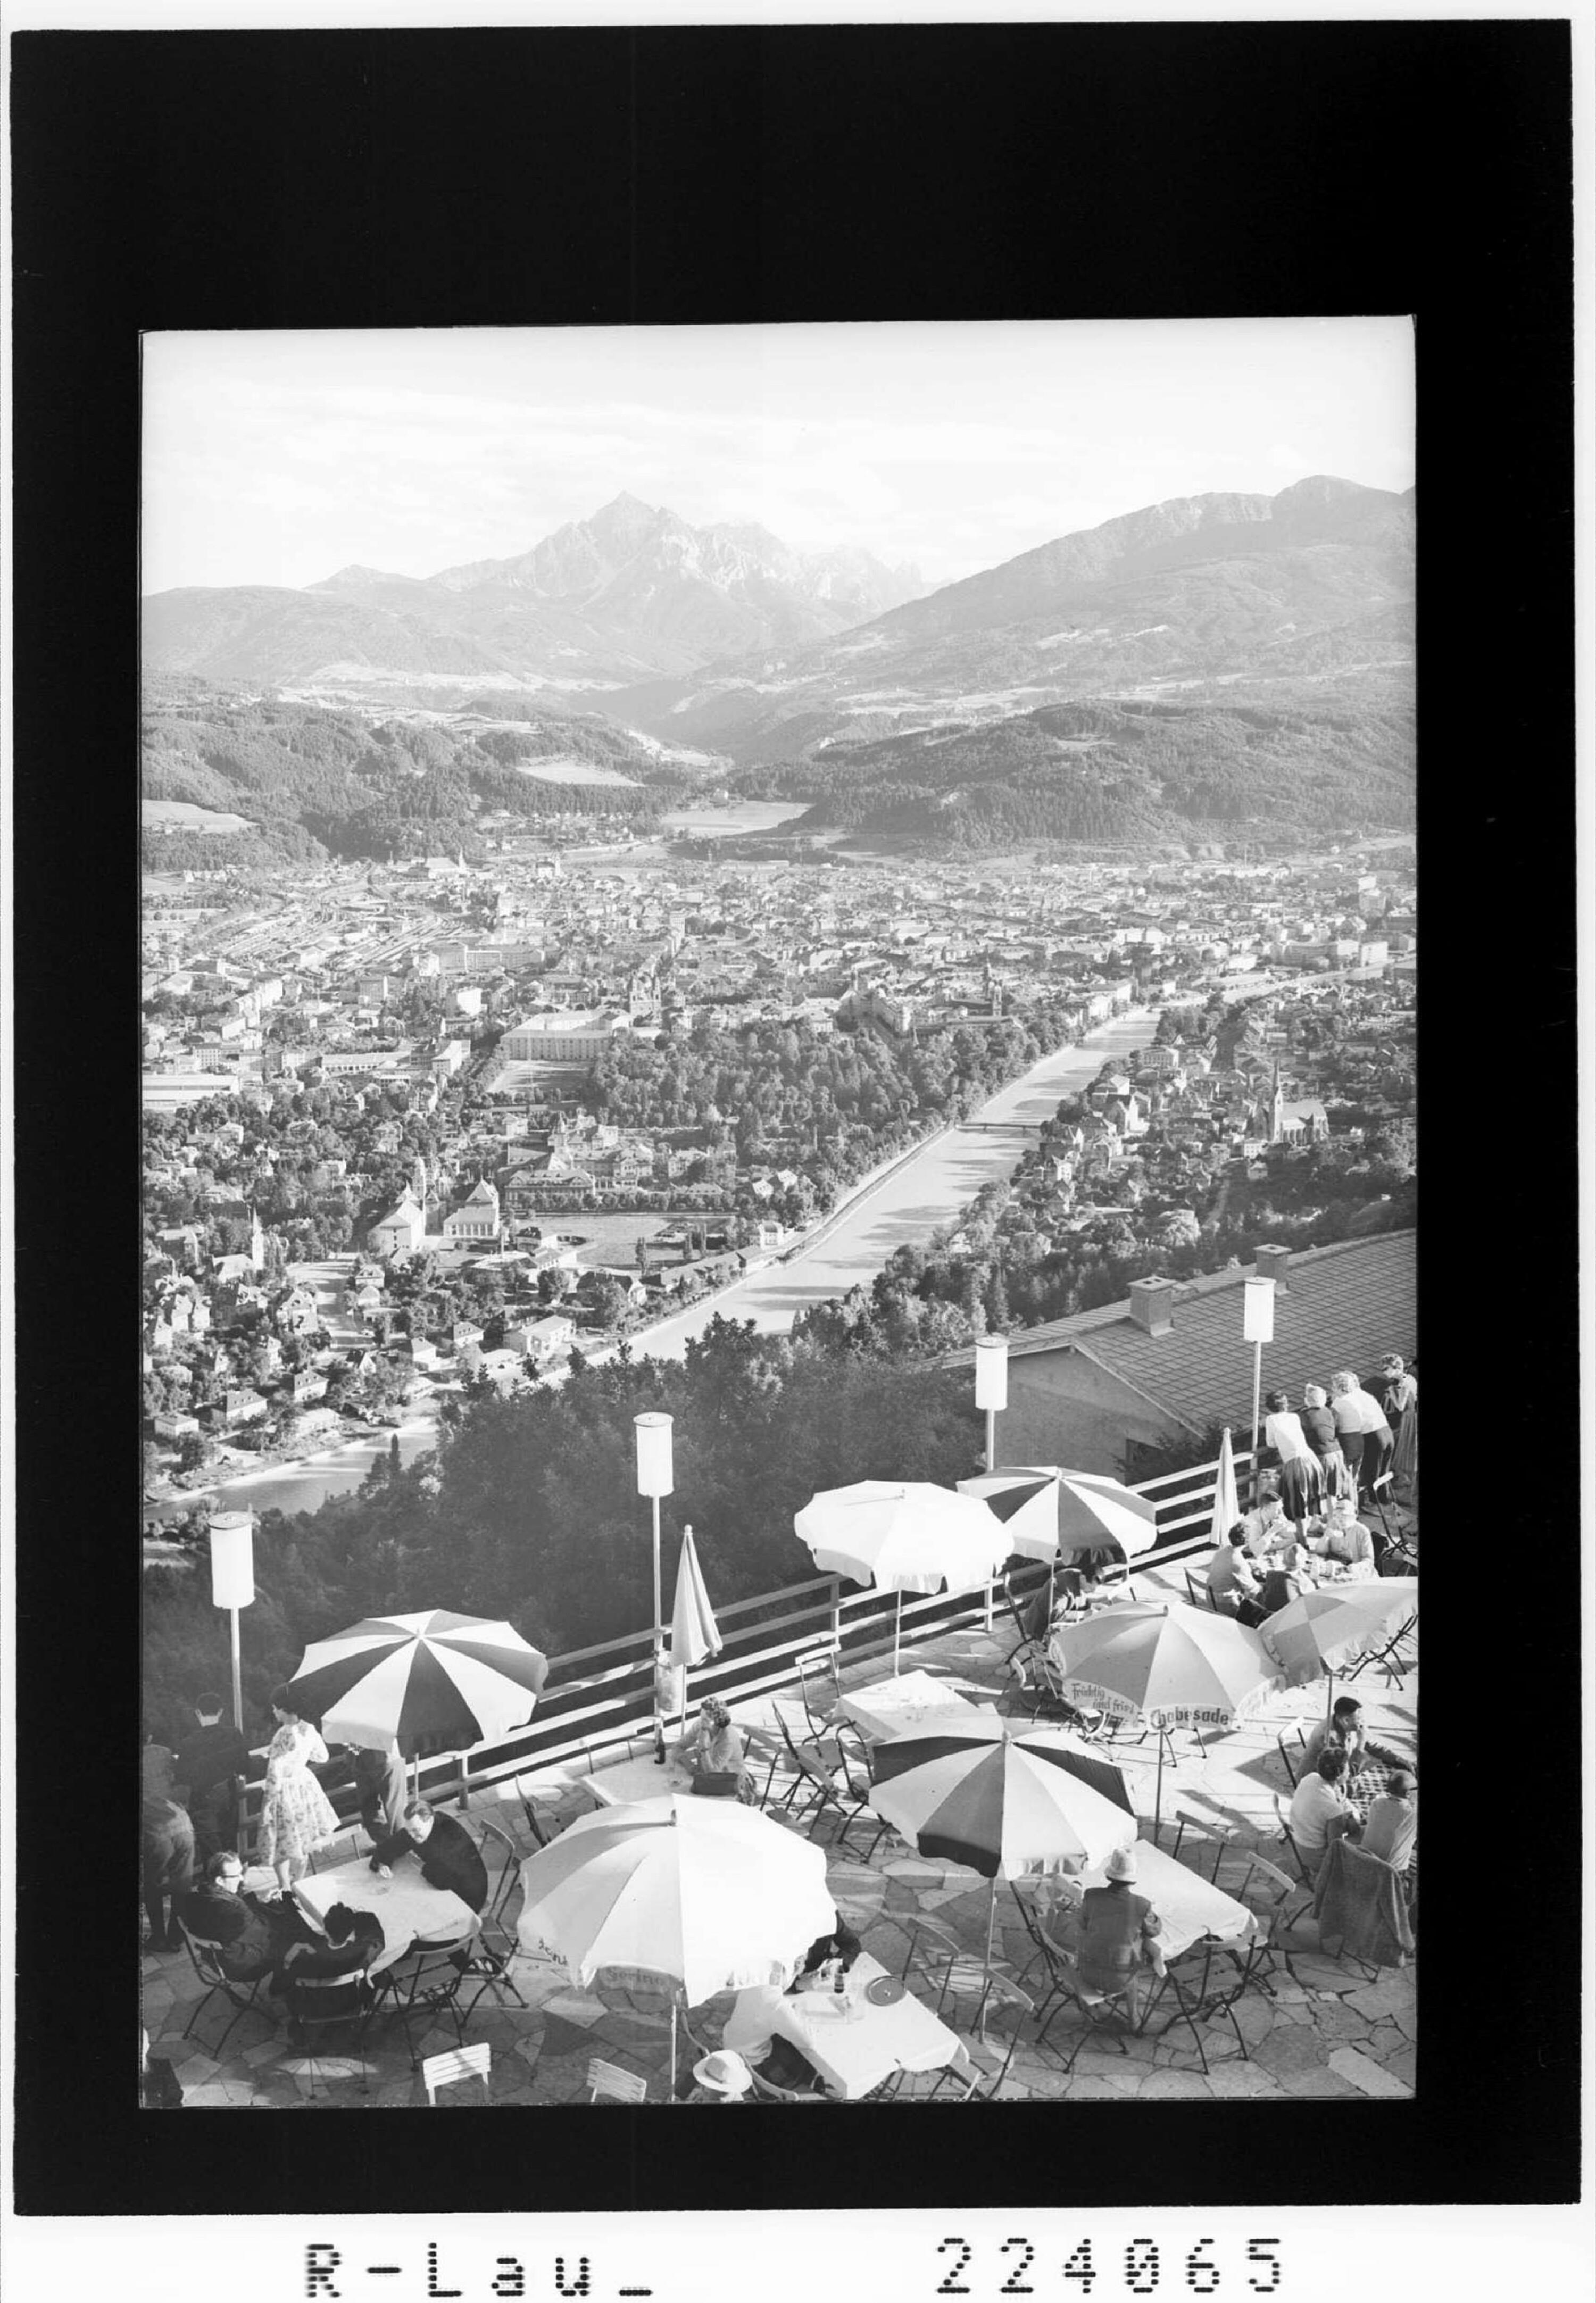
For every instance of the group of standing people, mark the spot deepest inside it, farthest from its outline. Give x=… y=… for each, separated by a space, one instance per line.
x=1341 y=1443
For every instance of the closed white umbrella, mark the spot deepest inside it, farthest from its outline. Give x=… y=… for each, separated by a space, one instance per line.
x=1227 y=1508
x=903 y=1536
x=694 y=1636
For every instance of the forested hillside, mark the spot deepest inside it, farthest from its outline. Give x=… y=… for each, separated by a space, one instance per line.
x=316 y=783
x=530 y=1510
x=1114 y=771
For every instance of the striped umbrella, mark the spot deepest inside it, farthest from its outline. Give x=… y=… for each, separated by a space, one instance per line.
x=1000 y=1799
x=1168 y=1664
x=1319 y=1630
x=1046 y=1511
x=434 y=1682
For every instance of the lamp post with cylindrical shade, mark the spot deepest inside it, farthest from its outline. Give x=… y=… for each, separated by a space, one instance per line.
x=233 y=1584
x=991 y=1396
x=1258 y=1328
x=992 y=1386
x=655 y=1479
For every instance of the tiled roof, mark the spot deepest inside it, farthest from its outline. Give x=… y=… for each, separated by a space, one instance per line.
x=1346 y=1305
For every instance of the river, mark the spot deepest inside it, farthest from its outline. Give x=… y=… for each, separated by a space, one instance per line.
x=907 y=1205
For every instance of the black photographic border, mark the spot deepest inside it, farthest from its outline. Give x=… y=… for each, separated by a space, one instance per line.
x=245 y=179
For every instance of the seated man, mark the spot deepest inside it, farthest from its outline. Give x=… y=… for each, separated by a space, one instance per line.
x=1347 y=1544
x=253 y=1938
x=212 y=1763
x=1319 y=1809
x=1233 y=1581
x=1393 y=1824
x=448 y=1855
x=1119 y=1932
x=1267 y=1528
x=722 y=2077
x=1342 y=1732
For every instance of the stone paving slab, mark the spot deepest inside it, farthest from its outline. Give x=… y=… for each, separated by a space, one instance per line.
x=1326 y=2028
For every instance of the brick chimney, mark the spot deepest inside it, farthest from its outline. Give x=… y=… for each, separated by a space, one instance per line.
x=1273 y=1263
x=1152 y=1304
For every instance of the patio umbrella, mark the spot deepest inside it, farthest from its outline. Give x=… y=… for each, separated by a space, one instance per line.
x=1227 y=1508
x=903 y=1536
x=705 y=1890
x=1048 y=1511
x=1168 y=1664
x=694 y=1634
x=434 y=1681
x=1002 y=1798
x=1319 y=1630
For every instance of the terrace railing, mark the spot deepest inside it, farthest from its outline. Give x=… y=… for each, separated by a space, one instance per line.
x=598 y=1701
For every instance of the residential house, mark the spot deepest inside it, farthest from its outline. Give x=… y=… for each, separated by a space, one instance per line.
x=1100 y=1390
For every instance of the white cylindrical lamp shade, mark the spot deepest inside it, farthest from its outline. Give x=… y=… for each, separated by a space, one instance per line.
x=992 y=1372
x=232 y=1558
x=654 y=1476
x=1258 y=1311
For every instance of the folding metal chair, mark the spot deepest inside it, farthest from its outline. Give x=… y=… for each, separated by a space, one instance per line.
x=817 y=1664
x=453 y=2068
x=767 y=2091
x=321 y=2003
x=1199 y=1591
x=1308 y=1875
x=1201 y=1836
x=1284 y=1739
x=243 y=1996
x=608 y=2083
x=496 y=1942
x=1268 y=1893
x=428 y=1985
x=969 y=2082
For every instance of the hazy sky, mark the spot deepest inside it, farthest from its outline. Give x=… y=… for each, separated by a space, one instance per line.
x=276 y=458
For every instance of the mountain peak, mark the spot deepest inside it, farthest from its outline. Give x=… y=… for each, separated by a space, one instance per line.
x=356 y=574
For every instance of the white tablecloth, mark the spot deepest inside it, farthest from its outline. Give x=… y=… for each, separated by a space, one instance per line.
x=852 y=2052
x=891 y=1705
x=1188 y=1907
x=633 y=1780
x=407 y=1908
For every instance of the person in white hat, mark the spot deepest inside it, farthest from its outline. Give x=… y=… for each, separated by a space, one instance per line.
x=1118 y=1931
x=722 y=2077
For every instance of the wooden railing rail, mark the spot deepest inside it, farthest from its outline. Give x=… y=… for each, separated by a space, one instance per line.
x=580 y=1718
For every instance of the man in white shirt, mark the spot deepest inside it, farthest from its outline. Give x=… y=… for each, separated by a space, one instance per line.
x=1319 y=1809
x=1393 y=1824
x=1232 y=1578
x=1342 y=1732
x=1267 y=1528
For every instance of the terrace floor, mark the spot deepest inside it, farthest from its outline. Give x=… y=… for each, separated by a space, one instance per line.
x=1327 y=2030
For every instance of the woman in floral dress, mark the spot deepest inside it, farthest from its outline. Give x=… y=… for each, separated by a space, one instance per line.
x=296 y=1814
